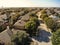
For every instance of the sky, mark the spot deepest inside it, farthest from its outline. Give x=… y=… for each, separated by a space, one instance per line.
x=29 y=3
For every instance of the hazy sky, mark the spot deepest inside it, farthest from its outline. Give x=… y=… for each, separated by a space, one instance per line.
x=29 y=3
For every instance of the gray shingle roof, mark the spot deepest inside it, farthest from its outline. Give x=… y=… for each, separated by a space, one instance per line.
x=19 y=23
x=5 y=36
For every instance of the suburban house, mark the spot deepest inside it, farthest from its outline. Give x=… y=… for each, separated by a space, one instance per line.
x=3 y=20
x=26 y=17
x=48 y=12
x=5 y=36
x=20 y=24
x=3 y=17
x=57 y=10
x=58 y=21
x=54 y=17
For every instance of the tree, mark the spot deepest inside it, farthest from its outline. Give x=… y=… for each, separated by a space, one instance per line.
x=20 y=38
x=58 y=25
x=56 y=37
x=33 y=15
x=43 y=11
x=50 y=23
x=30 y=27
x=35 y=19
x=26 y=11
x=44 y=16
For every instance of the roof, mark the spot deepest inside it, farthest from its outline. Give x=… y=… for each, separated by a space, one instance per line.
x=5 y=36
x=23 y=20
x=1 y=23
x=25 y=17
x=3 y=16
x=52 y=16
x=58 y=20
x=19 y=23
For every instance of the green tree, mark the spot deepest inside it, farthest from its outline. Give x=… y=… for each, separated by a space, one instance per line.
x=33 y=15
x=44 y=16
x=43 y=11
x=35 y=19
x=26 y=11
x=58 y=26
x=31 y=27
x=56 y=37
x=20 y=38
x=50 y=23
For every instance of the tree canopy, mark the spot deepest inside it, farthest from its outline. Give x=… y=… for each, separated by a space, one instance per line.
x=44 y=16
x=43 y=11
x=50 y=23
x=56 y=37
x=31 y=27
x=20 y=38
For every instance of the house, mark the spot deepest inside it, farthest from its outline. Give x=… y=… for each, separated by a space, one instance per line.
x=3 y=17
x=1 y=23
x=58 y=20
x=20 y=24
x=48 y=12
x=12 y=14
x=54 y=17
x=57 y=11
x=5 y=36
x=21 y=13
x=26 y=17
